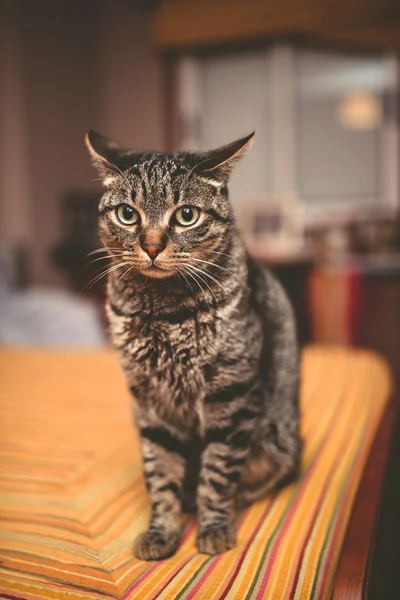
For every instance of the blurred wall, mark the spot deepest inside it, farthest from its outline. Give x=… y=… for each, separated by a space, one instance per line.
x=14 y=195
x=66 y=67
x=60 y=77
x=131 y=99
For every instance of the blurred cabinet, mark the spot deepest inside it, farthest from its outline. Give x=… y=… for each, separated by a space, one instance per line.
x=294 y=273
x=235 y=101
x=345 y=122
x=79 y=217
x=326 y=124
x=380 y=324
x=357 y=302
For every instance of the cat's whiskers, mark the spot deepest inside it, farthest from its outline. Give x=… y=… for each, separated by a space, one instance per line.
x=102 y=266
x=198 y=270
x=203 y=280
x=179 y=273
x=124 y=273
x=109 y=269
x=197 y=283
x=219 y=252
x=203 y=272
x=103 y=249
x=189 y=255
x=96 y=279
x=102 y=258
x=219 y=267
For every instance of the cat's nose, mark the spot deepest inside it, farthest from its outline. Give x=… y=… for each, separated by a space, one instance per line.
x=152 y=249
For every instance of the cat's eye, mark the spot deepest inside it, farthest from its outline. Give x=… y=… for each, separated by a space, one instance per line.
x=186 y=216
x=127 y=215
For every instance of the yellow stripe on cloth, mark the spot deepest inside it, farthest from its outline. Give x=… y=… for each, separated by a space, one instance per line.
x=72 y=496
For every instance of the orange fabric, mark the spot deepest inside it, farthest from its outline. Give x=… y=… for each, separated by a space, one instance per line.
x=72 y=497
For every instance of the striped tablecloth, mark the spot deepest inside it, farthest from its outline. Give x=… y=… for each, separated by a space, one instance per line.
x=72 y=497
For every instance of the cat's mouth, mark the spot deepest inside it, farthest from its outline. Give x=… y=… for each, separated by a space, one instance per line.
x=156 y=271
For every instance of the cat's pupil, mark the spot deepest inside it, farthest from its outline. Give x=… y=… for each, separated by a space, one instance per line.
x=127 y=213
x=187 y=214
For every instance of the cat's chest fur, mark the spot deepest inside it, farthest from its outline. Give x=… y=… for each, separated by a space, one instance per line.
x=163 y=354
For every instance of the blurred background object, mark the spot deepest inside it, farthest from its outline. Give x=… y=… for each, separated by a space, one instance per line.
x=317 y=198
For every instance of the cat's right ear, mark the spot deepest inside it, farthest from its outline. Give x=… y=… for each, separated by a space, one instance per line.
x=109 y=158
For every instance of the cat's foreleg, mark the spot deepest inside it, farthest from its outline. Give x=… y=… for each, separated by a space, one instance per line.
x=225 y=452
x=164 y=470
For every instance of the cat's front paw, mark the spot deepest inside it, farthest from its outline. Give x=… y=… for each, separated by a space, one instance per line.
x=155 y=545
x=216 y=540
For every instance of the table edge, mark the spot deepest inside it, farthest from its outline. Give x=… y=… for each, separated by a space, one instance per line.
x=352 y=574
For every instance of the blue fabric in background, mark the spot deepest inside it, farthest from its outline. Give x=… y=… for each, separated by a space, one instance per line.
x=48 y=317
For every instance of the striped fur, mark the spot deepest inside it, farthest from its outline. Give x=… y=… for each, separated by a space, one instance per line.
x=207 y=342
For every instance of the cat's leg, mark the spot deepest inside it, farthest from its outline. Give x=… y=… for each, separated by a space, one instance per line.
x=274 y=457
x=270 y=465
x=227 y=442
x=275 y=454
x=189 y=503
x=164 y=469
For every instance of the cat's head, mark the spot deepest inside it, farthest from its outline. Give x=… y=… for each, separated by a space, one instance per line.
x=165 y=213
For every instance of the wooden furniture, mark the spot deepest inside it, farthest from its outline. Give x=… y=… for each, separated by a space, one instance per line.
x=368 y=24
x=356 y=301
x=353 y=578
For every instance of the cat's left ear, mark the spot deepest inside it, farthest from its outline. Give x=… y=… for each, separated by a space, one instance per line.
x=108 y=157
x=217 y=165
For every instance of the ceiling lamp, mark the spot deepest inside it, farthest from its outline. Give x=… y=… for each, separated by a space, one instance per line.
x=360 y=110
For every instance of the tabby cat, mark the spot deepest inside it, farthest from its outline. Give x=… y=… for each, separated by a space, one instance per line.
x=206 y=338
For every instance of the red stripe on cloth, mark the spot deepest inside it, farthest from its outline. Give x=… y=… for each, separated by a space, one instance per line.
x=212 y=565
x=245 y=550
x=288 y=516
